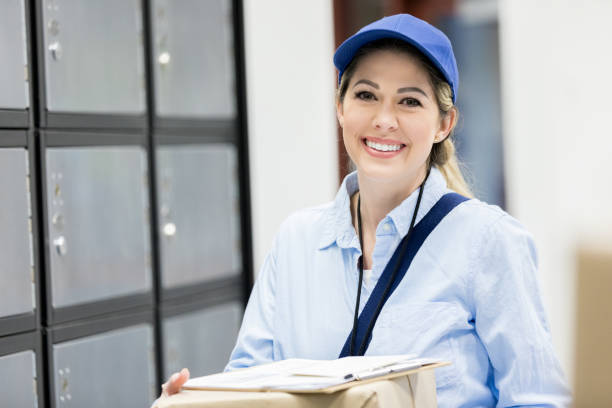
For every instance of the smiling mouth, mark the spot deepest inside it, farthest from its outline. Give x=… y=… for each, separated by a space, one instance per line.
x=383 y=147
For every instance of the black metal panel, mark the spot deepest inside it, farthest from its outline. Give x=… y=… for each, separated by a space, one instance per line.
x=202 y=301
x=13 y=138
x=19 y=342
x=148 y=46
x=14 y=119
x=207 y=293
x=89 y=327
x=243 y=151
x=53 y=120
x=17 y=323
x=166 y=137
x=36 y=232
x=65 y=138
x=222 y=130
x=99 y=308
x=32 y=63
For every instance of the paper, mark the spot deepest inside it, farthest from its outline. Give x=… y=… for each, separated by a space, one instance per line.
x=301 y=374
x=259 y=377
x=346 y=366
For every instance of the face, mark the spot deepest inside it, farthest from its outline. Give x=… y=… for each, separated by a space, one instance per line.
x=390 y=117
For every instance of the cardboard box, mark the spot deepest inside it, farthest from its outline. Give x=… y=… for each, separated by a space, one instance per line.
x=416 y=390
x=593 y=376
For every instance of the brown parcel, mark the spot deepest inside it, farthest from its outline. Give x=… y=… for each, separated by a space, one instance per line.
x=416 y=390
x=593 y=375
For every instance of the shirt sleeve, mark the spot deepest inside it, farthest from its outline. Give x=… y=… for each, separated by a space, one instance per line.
x=511 y=322
x=255 y=344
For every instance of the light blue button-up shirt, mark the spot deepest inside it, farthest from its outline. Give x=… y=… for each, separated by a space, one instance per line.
x=470 y=297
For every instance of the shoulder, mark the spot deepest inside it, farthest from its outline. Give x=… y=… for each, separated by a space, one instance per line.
x=306 y=219
x=306 y=227
x=474 y=210
x=480 y=230
x=487 y=219
x=494 y=234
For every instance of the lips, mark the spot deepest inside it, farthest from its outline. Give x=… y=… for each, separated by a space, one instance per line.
x=382 y=148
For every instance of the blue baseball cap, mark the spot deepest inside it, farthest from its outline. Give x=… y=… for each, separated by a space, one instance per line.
x=433 y=43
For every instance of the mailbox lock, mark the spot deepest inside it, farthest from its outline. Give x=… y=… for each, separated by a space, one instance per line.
x=64 y=391
x=53 y=27
x=165 y=210
x=169 y=229
x=56 y=50
x=164 y=58
x=58 y=221
x=60 y=245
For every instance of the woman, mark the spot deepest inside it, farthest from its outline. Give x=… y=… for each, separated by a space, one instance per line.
x=399 y=262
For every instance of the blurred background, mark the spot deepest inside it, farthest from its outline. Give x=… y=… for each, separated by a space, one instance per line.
x=149 y=150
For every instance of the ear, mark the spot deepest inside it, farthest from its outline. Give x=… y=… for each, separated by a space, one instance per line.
x=446 y=125
x=340 y=112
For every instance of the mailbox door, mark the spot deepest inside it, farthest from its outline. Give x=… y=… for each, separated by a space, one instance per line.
x=184 y=336
x=93 y=55
x=18 y=385
x=13 y=69
x=199 y=213
x=16 y=258
x=98 y=223
x=193 y=58
x=112 y=369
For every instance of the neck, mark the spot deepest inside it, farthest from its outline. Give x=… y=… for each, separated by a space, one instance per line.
x=378 y=199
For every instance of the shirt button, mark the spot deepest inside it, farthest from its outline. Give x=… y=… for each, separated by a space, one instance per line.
x=387 y=227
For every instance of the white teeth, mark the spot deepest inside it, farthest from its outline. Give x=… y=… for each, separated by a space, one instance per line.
x=383 y=147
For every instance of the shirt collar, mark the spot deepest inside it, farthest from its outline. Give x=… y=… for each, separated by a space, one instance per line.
x=338 y=227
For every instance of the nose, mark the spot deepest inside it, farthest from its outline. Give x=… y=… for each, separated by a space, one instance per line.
x=385 y=119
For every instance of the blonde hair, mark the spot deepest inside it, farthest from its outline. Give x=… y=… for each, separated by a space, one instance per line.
x=443 y=154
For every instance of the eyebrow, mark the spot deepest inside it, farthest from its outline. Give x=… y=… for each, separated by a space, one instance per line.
x=400 y=90
x=367 y=82
x=412 y=89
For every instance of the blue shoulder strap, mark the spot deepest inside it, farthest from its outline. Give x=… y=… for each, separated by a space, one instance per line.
x=421 y=231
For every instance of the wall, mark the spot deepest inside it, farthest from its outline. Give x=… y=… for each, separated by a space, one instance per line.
x=291 y=119
x=556 y=63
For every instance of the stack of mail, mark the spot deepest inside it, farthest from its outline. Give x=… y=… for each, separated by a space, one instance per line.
x=301 y=375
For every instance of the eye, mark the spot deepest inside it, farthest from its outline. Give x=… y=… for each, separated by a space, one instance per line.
x=365 y=96
x=410 y=102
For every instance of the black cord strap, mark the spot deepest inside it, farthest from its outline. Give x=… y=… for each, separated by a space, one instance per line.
x=360 y=263
x=404 y=245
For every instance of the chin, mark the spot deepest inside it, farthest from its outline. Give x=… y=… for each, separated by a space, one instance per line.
x=381 y=174
x=387 y=173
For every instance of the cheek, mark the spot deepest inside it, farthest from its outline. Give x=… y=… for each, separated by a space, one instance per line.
x=420 y=132
x=353 y=126
x=355 y=116
x=350 y=139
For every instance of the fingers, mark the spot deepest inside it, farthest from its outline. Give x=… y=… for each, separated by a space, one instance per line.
x=182 y=378
x=176 y=381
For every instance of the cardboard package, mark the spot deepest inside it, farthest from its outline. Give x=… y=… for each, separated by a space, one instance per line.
x=593 y=375
x=416 y=389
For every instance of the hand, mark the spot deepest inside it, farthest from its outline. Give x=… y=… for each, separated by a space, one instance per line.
x=174 y=384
